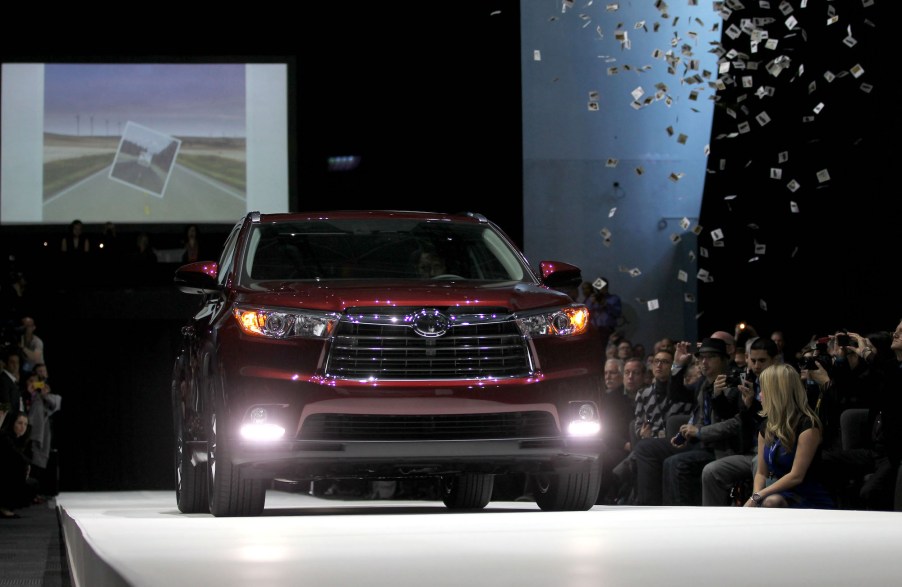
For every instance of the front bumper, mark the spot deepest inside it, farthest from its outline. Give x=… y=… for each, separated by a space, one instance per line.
x=308 y=460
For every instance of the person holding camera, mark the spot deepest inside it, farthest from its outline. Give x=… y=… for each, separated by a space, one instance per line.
x=668 y=471
x=789 y=445
x=875 y=466
x=721 y=476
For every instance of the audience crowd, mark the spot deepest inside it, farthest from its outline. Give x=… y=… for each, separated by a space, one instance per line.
x=737 y=419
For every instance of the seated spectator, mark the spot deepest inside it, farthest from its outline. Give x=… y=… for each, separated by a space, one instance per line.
x=721 y=476
x=616 y=409
x=654 y=404
x=789 y=445
x=780 y=341
x=875 y=467
x=669 y=471
x=665 y=344
x=625 y=350
x=16 y=491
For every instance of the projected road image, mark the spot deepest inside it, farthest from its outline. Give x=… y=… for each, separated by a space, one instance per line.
x=186 y=158
x=193 y=189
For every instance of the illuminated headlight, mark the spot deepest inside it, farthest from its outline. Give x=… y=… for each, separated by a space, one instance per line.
x=284 y=324
x=585 y=421
x=566 y=321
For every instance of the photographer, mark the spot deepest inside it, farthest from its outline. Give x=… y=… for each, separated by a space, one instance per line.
x=876 y=465
x=721 y=476
x=669 y=470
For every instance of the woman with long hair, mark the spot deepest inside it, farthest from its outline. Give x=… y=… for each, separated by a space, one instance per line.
x=16 y=489
x=789 y=445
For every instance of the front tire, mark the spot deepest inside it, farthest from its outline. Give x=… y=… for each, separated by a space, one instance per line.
x=190 y=478
x=567 y=492
x=467 y=491
x=229 y=494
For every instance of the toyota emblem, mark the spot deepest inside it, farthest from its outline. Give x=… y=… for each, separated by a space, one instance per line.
x=429 y=323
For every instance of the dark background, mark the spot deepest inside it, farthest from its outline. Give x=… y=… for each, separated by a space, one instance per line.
x=429 y=100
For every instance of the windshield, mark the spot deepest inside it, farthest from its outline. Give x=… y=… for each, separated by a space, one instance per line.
x=380 y=249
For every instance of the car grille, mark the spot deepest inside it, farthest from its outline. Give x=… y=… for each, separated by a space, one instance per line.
x=334 y=427
x=377 y=348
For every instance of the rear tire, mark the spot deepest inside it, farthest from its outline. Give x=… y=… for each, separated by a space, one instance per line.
x=229 y=494
x=567 y=492
x=467 y=491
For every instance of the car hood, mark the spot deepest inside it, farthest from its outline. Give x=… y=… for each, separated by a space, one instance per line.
x=338 y=296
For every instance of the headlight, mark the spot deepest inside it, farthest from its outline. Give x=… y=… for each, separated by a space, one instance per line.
x=284 y=324
x=560 y=322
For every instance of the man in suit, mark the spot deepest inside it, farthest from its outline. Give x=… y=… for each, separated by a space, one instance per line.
x=10 y=393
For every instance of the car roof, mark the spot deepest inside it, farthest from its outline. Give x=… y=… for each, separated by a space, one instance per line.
x=371 y=214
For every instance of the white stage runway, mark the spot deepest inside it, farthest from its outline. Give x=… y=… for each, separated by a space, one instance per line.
x=140 y=539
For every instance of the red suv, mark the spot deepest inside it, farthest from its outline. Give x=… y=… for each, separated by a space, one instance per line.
x=383 y=345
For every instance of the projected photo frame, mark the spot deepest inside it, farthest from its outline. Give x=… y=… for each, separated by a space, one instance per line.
x=145 y=159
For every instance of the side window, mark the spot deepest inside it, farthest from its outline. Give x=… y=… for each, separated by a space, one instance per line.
x=228 y=254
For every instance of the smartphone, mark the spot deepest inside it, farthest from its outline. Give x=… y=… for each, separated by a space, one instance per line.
x=39 y=385
x=843 y=340
x=679 y=439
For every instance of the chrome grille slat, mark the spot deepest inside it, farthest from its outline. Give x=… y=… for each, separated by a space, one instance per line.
x=363 y=348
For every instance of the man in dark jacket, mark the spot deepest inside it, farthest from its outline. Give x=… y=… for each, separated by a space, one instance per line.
x=669 y=469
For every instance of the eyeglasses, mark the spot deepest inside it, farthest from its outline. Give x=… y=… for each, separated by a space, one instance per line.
x=659 y=361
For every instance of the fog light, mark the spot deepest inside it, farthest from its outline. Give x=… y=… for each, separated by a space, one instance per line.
x=586 y=422
x=262 y=431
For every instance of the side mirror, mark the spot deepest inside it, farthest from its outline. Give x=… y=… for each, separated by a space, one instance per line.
x=557 y=274
x=198 y=278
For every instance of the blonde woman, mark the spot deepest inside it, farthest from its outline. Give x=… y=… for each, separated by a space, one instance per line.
x=789 y=445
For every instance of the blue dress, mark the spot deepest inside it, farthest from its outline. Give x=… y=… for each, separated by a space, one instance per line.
x=810 y=493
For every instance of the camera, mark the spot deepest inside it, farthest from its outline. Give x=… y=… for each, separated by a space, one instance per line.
x=736 y=377
x=809 y=363
x=845 y=340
